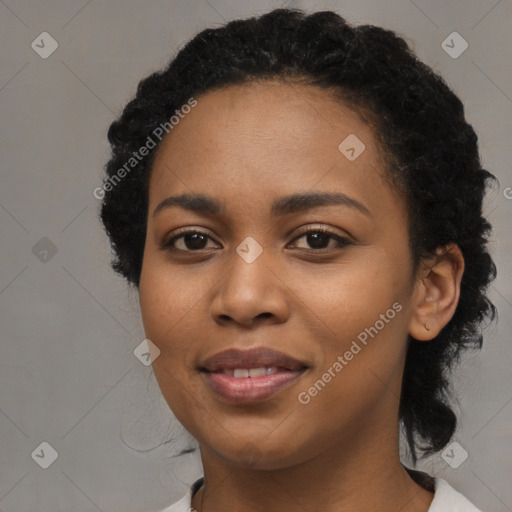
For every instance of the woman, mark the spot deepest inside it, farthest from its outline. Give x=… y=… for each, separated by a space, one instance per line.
x=299 y=204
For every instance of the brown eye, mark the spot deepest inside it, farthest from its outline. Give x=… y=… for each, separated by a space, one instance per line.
x=191 y=241
x=319 y=238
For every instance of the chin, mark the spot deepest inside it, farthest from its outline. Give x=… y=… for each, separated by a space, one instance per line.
x=248 y=454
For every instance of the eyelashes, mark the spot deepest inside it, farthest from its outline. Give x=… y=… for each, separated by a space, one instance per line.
x=191 y=238
x=325 y=234
x=169 y=245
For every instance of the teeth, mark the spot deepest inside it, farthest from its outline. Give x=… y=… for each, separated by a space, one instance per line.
x=257 y=372
x=240 y=373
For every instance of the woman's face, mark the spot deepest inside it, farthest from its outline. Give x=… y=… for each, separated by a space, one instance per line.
x=251 y=278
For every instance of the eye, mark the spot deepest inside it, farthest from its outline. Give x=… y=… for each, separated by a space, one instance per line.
x=195 y=241
x=191 y=241
x=318 y=239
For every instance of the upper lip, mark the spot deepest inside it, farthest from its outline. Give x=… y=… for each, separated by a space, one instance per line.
x=250 y=358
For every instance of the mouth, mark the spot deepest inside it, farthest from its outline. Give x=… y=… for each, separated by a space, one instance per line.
x=254 y=375
x=241 y=373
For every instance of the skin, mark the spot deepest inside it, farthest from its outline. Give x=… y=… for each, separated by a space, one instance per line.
x=247 y=146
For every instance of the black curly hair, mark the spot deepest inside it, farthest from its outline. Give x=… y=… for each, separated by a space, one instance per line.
x=431 y=151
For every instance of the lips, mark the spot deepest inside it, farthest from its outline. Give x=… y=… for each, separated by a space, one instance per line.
x=244 y=376
x=251 y=358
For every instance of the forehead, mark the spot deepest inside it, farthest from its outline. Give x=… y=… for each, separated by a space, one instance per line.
x=276 y=114
x=257 y=138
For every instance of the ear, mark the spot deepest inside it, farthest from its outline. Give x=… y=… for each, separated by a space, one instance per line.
x=436 y=293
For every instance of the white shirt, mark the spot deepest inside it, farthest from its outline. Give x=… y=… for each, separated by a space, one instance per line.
x=446 y=499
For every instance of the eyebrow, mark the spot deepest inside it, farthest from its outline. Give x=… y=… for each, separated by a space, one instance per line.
x=203 y=204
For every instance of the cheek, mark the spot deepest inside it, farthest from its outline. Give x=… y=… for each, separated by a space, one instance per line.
x=173 y=310
x=362 y=312
x=164 y=317
x=359 y=382
x=169 y=301
x=349 y=297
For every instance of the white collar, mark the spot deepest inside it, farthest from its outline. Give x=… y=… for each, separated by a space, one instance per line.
x=446 y=499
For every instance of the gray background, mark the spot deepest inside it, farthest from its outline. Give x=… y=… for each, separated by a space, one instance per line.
x=68 y=328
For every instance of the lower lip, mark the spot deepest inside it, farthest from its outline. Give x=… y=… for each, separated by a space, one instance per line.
x=250 y=389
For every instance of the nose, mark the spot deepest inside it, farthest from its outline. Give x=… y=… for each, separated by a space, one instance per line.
x=250 y=293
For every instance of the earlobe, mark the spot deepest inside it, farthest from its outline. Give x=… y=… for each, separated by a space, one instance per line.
x=437 y=293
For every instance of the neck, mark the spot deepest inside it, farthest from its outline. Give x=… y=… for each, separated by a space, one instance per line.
x=364 y=474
